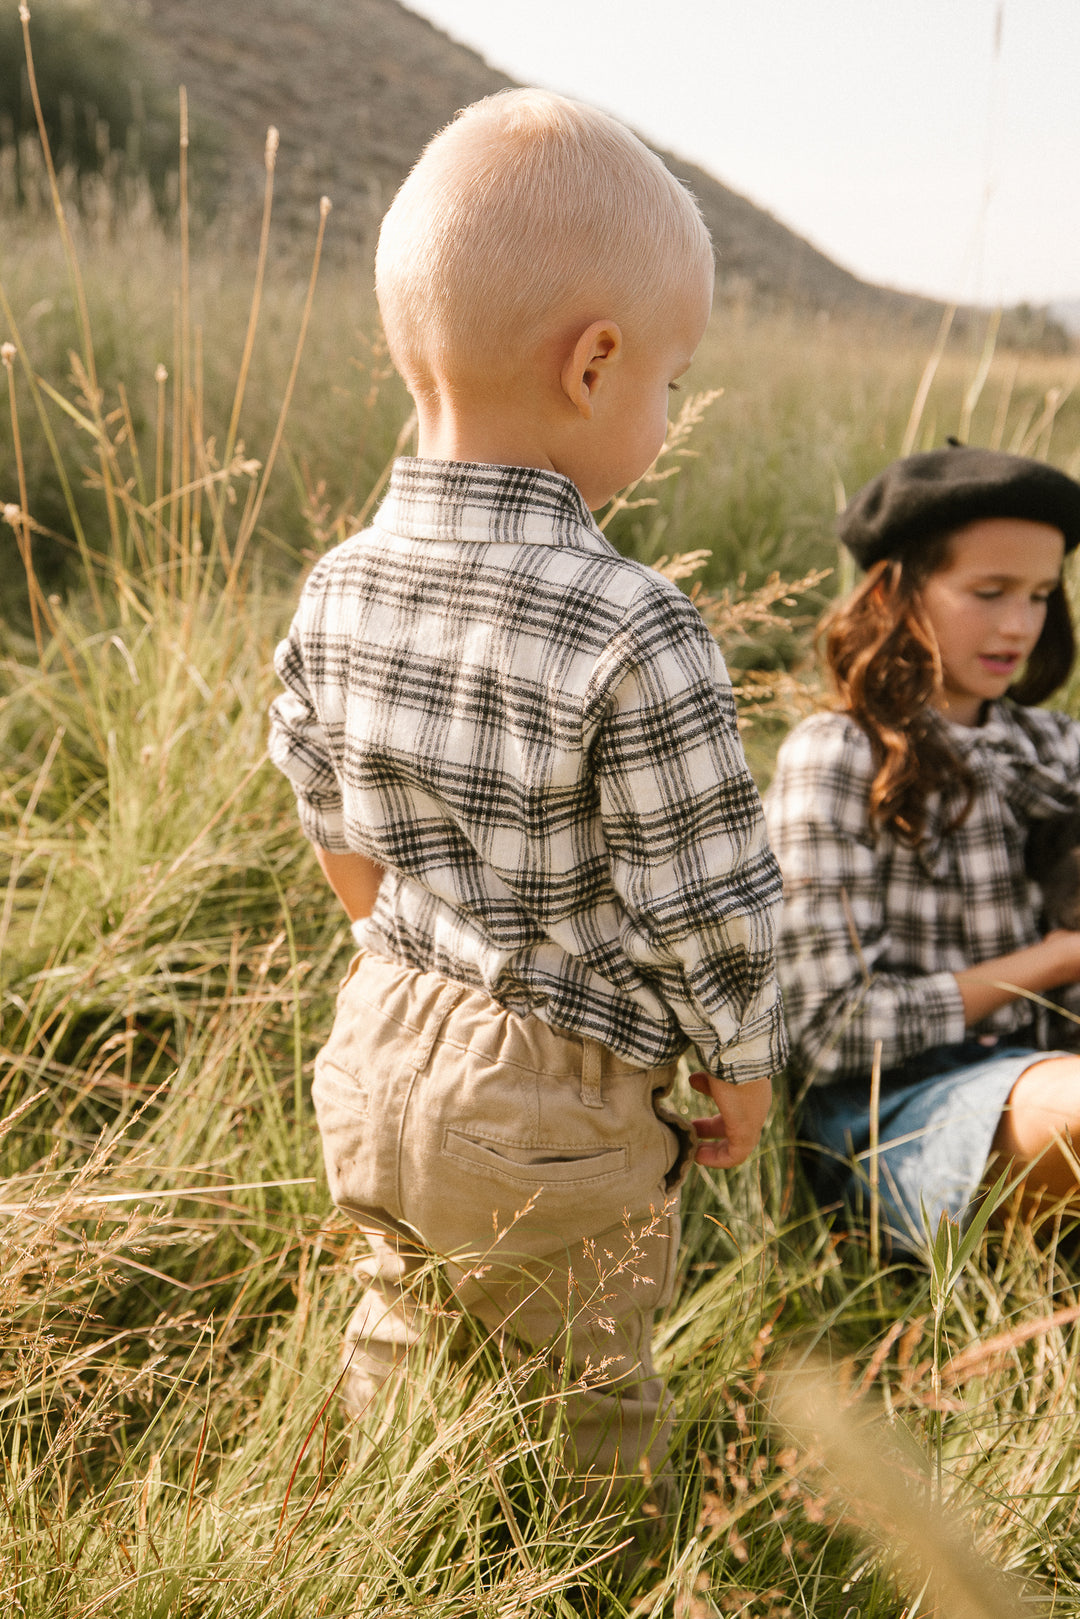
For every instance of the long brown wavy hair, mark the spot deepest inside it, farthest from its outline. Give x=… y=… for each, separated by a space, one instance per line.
x=882 y=655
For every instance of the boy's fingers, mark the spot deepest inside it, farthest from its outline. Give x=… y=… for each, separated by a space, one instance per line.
x=718 y=1150
x=711 y=1131
x=730 y=1135
x=711 y=1128
x=717 y=1156
x=722 y=1145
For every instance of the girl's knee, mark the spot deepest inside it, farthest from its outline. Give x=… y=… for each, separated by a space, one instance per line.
x=1045 y=1101
x=1039 y=1129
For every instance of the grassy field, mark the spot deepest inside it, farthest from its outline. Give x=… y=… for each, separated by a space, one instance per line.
x=853 y=1439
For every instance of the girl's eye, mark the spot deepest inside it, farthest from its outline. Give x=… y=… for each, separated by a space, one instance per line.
x=673 y=388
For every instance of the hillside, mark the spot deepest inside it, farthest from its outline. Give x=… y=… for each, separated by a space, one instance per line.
x=356 y=87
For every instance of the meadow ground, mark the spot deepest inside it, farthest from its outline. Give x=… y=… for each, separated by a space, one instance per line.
x=853 y=1438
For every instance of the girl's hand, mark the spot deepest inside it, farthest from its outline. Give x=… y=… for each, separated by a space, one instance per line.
x=1052 y=962
x=730 y=1134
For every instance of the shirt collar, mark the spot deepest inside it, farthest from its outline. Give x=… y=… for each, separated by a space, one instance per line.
x=966 y=738
x=1008 y=758
x=996 y=730
x=472 y=501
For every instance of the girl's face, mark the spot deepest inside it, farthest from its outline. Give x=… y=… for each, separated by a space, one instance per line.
x=987 y=604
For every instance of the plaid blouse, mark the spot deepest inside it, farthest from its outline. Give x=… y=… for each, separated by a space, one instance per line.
x=873 y=932
x=537 y=739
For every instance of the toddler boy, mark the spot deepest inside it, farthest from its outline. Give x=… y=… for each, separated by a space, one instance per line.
x=516 y=756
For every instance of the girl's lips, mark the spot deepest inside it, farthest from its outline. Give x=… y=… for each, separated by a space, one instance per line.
x=999 y=663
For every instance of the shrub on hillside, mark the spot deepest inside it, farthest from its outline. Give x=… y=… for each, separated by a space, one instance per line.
x=103 y=110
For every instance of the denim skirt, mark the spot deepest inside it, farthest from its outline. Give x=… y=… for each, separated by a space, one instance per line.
x=937 y=1118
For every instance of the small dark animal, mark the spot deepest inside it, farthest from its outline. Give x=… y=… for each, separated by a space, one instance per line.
x=1052 y=859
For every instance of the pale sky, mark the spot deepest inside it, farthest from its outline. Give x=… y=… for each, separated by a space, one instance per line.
x=932 y=145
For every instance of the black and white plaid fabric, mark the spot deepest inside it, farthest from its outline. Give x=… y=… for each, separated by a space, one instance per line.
x=873 y=932
x=537 y=739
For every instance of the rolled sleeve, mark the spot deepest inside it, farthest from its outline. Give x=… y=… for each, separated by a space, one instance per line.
x=684 y=828
x=299 y=746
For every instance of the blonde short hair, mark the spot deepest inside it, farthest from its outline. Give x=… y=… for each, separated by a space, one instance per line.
x=526 y=210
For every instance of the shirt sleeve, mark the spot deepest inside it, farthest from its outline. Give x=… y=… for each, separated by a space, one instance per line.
x=299 y=746
x=686 y=838
x=837 y=955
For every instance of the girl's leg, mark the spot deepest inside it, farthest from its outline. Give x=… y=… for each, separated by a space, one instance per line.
x=1040 y=1129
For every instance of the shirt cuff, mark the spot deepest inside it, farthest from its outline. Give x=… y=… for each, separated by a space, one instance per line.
x=944 y=993
x=760 y=1052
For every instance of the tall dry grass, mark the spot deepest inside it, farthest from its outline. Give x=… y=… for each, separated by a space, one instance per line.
x=172 y=1278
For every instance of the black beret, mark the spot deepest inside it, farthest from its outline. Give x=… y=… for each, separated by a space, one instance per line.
x=943 y=490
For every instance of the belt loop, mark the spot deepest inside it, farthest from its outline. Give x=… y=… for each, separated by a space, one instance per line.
x=591 y=1091
x=445 y=1002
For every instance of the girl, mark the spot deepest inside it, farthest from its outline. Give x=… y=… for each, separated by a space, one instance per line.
x=900 y=820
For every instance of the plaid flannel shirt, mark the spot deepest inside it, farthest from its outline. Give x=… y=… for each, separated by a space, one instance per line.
x=537 y=739
x=872 y=932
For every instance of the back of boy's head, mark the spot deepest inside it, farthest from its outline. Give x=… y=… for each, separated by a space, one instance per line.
x=527 y=212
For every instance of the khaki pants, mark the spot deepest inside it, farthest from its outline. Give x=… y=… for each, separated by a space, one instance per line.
x=542 y=1171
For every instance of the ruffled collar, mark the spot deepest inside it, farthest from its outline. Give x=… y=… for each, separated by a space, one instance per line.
x=1004 y=762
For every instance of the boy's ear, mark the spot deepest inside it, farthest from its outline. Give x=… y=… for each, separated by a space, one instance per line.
x=592 y=355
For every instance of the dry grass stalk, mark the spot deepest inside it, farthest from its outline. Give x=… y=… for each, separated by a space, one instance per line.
x=885 y=1484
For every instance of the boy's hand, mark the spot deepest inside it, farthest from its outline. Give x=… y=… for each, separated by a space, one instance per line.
x=731 y=1133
